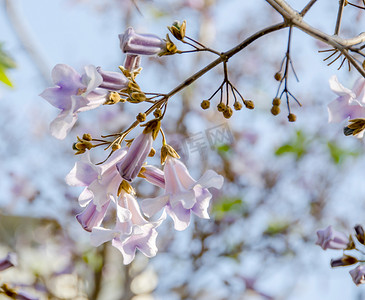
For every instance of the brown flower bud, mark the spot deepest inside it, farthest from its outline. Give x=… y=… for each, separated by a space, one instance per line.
x=141 y=117
x=221 y=107
x=360 y=234
x=157 y=113
x=116 y=147
x=275 y=110
x=276 y=101
x=292 y=117
x=205 y=104
x=237 y=105
x=345 y=260
x=87 y=137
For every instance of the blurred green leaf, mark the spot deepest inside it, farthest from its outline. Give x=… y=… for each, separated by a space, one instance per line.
x=224 y=148
x=94 y=259
x=6 y=62
x=227 y=205
x=339 y=154
x=298 y=146
x=277 y=227
x=4 y=78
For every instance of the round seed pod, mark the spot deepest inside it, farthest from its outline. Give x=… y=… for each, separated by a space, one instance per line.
x=292 y=117
x=249 y=104
x=141 y=117
x=237 y=105
x=276 y=101
x=205 y=104
x=228 y=112
x=221 y=107
x=157 y=113
x=275 y=110
x=278 y=76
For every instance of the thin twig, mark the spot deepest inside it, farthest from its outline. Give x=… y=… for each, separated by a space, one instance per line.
x=307 y=7
x=339 y=16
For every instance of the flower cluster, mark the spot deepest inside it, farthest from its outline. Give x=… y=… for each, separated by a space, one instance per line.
x=108 y=185
x=329 y=238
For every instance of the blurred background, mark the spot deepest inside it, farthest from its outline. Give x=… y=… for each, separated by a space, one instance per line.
x=283 y=181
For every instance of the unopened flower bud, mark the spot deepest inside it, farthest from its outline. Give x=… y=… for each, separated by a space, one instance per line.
x=360 y=234
x=157 y=113
x=112 y=98
x=87 y=137
x=178 y=30
x=292 y=117
x=221 y=107
x=141 y=44
x=275 y=110
x=228 y=112
x=115 y=147
x=205 y=104
x=249 y=104
x=237 y=105
x=277 y=76
x=276 y=101
x=141 y=117
x=345 y=260
x=132 y=62
x=112 y=80
x=329 y=238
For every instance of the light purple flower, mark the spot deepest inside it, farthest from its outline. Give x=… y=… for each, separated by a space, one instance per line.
x=72 y=94
x=332 y=239
x=91 y=217
x=112 y=81
x=349 y=103
x=183 y=195
x=132 y=163
x=358 y=275
x=101 y=181
x=141 y=44
x=9 y=261
x=131 y=231
x=153 y=175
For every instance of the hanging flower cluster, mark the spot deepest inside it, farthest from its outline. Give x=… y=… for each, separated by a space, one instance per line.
x=329 y=238
x=108 y=185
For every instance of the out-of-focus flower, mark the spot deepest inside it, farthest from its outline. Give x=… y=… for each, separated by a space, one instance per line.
x=141 y=44
x=343 y=261
x=329 y=238
x=349 y=103
x=360 y=234
x=183 y=195
x=131 y=231
x=101 y=181
x=358 y=275
x=9 y=261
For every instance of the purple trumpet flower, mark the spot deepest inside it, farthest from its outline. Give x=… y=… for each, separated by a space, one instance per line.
x=131 y=164
x=358 y=275
x=9 y=261
x=92 y=217
x=332 y=239
x=153 y=175
x=141 y=44
x=113 y=81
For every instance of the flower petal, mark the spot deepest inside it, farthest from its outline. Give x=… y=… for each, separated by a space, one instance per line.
x=100 y=235
x=180 y=216
x=211 y=179
x=63 y=123
x=151 y=206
